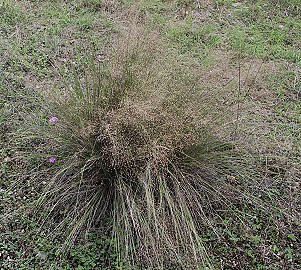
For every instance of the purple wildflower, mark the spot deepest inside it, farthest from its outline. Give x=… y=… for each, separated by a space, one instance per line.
x=52 y=159
x=53 y=119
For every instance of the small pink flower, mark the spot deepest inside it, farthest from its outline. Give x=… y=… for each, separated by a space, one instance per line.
x=52 y=159
x=53 y=119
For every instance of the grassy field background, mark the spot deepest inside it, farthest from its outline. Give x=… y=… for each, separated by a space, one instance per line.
x=248 y=49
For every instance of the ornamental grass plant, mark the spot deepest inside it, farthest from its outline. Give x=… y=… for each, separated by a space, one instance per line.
x=135 y=147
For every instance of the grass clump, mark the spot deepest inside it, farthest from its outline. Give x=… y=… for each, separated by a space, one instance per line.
x=134 y=154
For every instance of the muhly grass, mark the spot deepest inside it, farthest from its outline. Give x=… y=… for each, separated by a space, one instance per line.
x=135 y=151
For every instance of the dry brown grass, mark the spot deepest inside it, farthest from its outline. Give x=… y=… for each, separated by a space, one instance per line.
x=121 y=144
